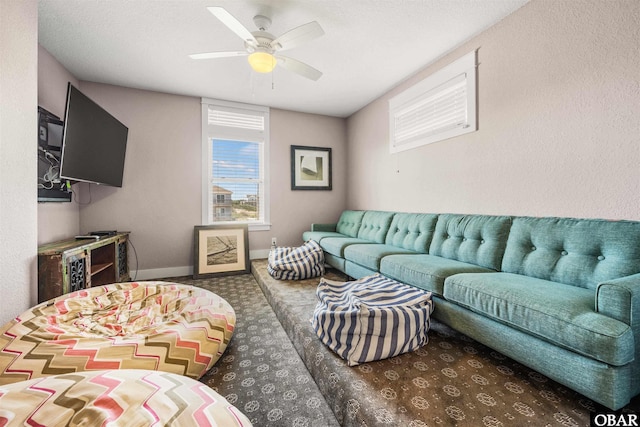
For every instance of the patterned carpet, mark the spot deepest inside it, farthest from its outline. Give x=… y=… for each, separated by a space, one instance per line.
x=260 y=372
x=460 y=382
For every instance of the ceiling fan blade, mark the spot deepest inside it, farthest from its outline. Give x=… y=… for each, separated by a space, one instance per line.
x=298 y=67
x=212 y=55
x=298 y=36
x=233 y=24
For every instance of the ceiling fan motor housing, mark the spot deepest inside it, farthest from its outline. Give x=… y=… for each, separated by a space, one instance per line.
x=264 y=40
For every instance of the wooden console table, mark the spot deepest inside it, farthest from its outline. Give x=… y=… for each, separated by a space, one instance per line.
x=75 y=264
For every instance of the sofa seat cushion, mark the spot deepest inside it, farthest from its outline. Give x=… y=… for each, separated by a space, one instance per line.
x=425 y=271
x=369 y=255
x=562 y=314
x=336 y=245
x=319 y=235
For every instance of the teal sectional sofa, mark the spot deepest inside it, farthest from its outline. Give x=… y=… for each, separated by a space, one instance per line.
x=560 y=295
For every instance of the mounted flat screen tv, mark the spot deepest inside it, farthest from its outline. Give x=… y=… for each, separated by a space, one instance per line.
x=93 y=142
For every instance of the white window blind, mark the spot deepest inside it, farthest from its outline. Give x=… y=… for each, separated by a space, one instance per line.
x=235 y=150
x=439 y=107
x=231 y=119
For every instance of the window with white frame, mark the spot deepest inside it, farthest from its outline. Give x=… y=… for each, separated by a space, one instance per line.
x=235 y=147
x=439 y=107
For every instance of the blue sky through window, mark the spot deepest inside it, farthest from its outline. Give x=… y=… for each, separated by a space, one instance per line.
x=234 y=165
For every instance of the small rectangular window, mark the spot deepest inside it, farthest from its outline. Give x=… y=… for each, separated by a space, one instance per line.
x=235 y=149
x=439 y=107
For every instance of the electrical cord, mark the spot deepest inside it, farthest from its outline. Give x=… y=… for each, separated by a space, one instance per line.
x=52 y=174
x=52 y=159
x=51 y=177
x=135 y=253
x=47 y=184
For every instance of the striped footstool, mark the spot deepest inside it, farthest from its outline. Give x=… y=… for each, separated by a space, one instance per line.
x=139 y=325
x=303 y=262
x=371 y=318
x=126 y=397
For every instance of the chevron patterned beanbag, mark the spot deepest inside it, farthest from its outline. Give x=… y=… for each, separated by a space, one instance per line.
x=138 y=325
x=303 y=262
x=371 y=318
x=124 y=398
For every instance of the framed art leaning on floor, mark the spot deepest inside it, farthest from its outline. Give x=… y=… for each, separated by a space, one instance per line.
x=220 y=250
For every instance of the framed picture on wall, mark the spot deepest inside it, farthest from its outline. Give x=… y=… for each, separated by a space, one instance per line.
x=310 y=168
x=220 y=250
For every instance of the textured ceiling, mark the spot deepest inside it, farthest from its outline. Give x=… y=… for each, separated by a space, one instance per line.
x=369 y=46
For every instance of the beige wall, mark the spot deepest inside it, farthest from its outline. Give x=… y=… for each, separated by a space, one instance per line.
x=56 y=220
x=558 y=120
x=292 y=212
x=18 y=169
x=160 y=200
x=559 y=109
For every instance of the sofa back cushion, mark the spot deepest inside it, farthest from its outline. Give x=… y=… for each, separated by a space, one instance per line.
x=412 y=231
x=375 y=225
x=475 y=239
x=349 y=223
x=578 y=252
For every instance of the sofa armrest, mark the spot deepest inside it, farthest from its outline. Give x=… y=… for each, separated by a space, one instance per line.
x=323 y=227
x=620 y=298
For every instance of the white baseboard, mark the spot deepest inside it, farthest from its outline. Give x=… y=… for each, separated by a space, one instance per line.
x=156 y=273
x=259 y=254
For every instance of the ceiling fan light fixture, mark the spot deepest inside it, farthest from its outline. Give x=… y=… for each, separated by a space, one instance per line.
x=261 y=46
x=262 y=62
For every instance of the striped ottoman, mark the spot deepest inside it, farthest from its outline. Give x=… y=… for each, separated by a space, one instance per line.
x=296 y=263
x=139 y=325
x=126 y=397
x=371 y=318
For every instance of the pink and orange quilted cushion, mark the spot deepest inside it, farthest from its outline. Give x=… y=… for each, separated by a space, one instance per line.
x=127 y=397
x=138 y=325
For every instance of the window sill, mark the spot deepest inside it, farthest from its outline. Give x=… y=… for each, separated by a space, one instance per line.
x=259 y=227
x=252 y=226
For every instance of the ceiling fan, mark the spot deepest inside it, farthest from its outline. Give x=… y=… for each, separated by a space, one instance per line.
x=262 y=48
